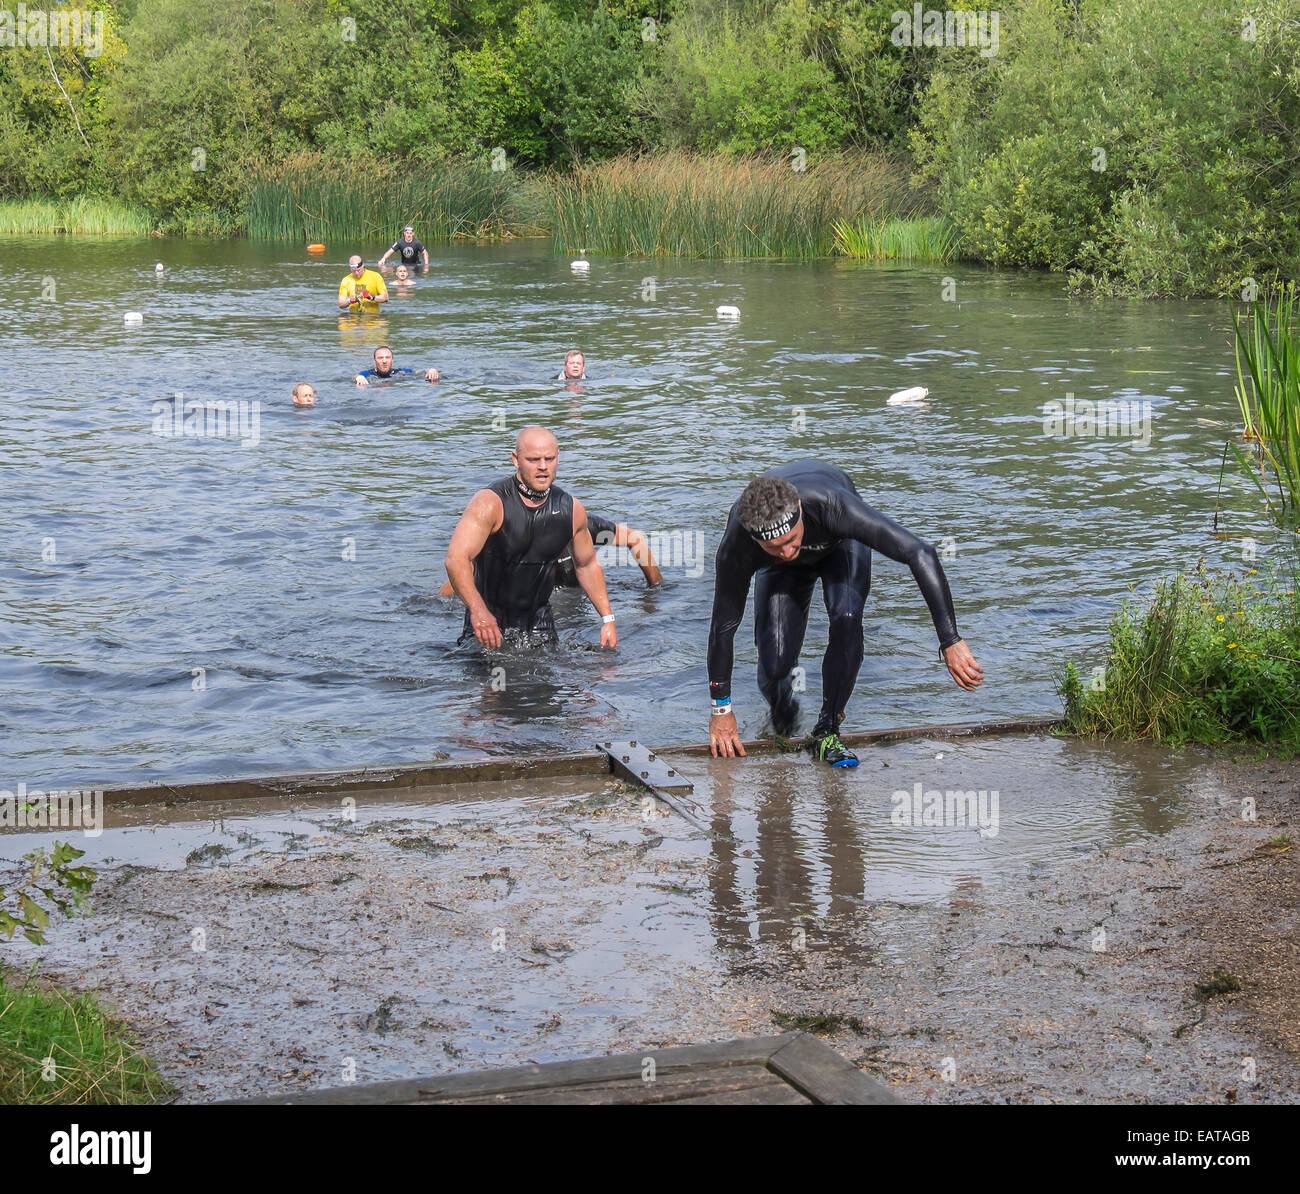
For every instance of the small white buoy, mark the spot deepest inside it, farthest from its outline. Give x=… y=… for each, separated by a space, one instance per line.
x=158 y=269
x=133 y=317
x=910 y=397
x=728 y=312
x=580 y=266
x=939 y=756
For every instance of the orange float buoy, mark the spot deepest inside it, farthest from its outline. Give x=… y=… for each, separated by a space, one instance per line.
x=315 y=248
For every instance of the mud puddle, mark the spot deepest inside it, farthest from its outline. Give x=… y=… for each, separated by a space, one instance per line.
x=275 y=945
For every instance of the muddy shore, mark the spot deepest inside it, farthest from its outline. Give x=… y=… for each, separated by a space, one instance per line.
x=1147 y=953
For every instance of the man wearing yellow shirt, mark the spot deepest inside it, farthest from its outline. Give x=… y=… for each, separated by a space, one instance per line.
x=362 y=287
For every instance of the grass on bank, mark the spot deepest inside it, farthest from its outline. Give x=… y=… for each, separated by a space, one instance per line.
x=310 y=198
x=923 y=238
x=1213 y=658
x=1268 y=394
x=686 y=205
x=57 y=1048
x=80 y=216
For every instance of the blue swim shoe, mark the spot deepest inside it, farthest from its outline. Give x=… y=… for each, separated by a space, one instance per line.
x=829 y=749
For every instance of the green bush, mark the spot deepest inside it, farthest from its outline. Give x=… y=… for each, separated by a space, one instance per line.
x=743 y=84
x=1213 y=658
x=1142 y=144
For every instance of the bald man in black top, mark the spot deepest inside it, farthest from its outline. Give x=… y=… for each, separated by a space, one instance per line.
x=793 y=526
x=503 y=553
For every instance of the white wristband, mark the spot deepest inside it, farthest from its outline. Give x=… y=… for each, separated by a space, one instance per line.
x=607 y=618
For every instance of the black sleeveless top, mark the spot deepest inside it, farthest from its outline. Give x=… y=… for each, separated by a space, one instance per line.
x=515 y=571
x=602 y=533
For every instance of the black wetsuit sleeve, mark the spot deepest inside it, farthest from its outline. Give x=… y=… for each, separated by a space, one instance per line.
x=733 y=568
x=851 y=518
x=602 y=529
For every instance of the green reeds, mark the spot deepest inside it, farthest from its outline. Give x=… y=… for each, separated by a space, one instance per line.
x=57 y=1048
x=314 y=199
x=1268 y=394
x=81 y=216
x=685 y=205
x=922 y=238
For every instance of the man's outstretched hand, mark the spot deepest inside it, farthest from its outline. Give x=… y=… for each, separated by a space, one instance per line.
x=724 y=736
x=962 y=666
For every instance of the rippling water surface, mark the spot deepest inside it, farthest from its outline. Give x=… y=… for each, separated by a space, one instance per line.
x=199 y=615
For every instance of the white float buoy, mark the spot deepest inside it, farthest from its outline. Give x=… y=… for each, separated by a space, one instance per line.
x=910 y=397
x=158 y=269
x=133 y=317
x=728 y=312
x=580 y=266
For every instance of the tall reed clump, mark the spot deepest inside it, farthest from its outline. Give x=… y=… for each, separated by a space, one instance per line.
x=62 y=1049
x=79 y=216
x=316 y=199
x=687 y=205
x=1213 y=658
x=1268 y=394
x=921 y=238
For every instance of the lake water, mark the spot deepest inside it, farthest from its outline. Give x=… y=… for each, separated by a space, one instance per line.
x=201 y=606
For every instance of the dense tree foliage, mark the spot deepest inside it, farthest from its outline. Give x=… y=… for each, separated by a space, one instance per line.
x=1145 y=144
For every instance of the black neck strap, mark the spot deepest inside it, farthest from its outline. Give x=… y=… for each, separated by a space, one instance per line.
x=533 y=495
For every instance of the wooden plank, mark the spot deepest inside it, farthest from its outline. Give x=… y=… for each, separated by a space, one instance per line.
x=765 y=746
x=327 y=783
x=825 y=1077
x=753 y=1084
x=755 y=1051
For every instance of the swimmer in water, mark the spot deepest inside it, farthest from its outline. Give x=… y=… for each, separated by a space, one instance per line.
x=603 y=533
x=361 y=287
x=504 y=551
x=409 y=249
x=384 y=368
x=575 y=367
x=402 y=277
x=793 y=526
x=303 y=394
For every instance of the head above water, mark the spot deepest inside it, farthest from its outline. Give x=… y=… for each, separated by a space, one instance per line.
x=304 y=394
x=536 y=456
x=574 y=363
x=403 y=274
x=384 y=359
x=770 y=511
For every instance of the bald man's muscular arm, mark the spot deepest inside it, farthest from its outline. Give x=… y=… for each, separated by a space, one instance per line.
x=590 y=574
x=483 y=516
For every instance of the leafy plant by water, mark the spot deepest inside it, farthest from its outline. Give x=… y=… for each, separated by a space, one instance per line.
x=689 y=205
x=1268 y=395
x=53 y=876
x=1212 y=658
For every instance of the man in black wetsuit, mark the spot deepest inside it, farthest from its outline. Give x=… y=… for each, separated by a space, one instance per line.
x=791 y=526
x=603 y=533
x=503 y=553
